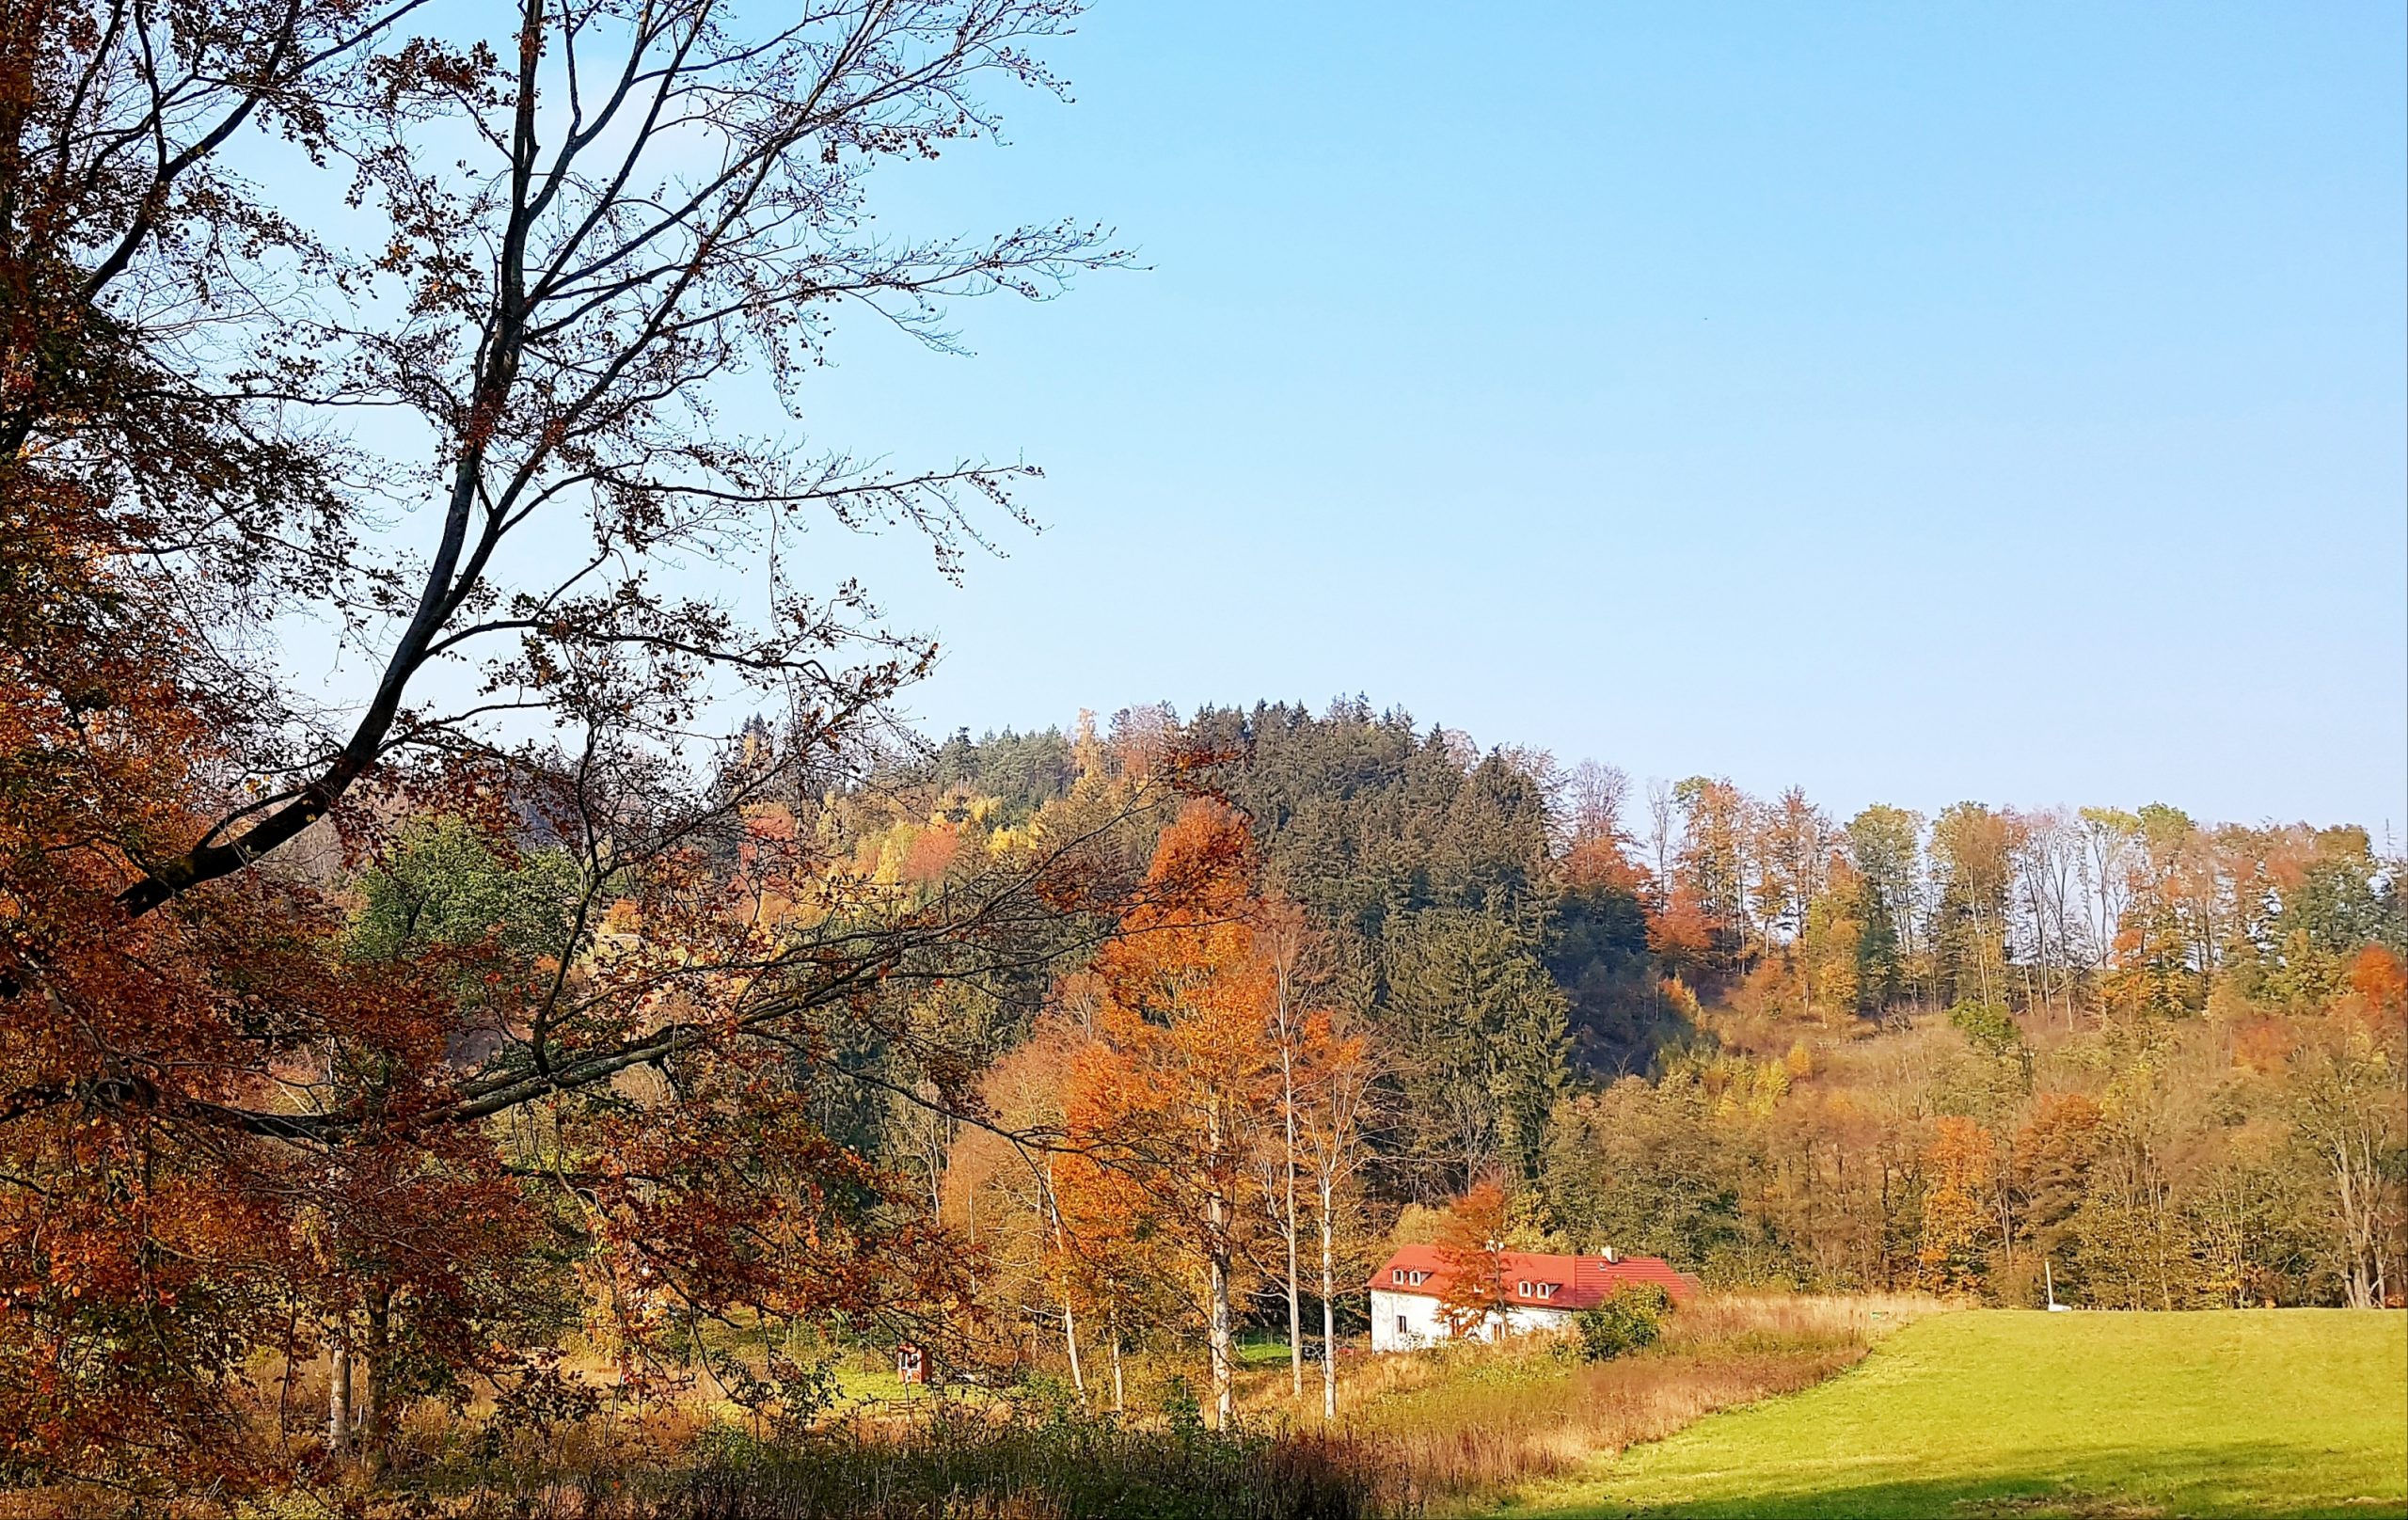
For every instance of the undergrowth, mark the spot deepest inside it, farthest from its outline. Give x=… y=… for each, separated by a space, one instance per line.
x=1437 y=1431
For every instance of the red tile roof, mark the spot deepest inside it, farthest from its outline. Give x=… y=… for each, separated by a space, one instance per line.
x=1582 y=1281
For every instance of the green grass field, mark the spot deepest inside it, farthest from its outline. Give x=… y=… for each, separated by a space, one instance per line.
x=2281 y=1412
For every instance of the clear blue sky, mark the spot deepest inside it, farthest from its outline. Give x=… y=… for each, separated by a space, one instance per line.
x=1914 y=402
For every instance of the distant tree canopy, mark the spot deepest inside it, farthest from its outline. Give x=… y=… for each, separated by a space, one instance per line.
x=1794 y=1005
x=1427 y=869
x=1021 y=771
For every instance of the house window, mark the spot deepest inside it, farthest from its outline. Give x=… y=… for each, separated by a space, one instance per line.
x=1402 y=1326
x=1547 y=1290
x=1526 y=1289
x=1398 y=1276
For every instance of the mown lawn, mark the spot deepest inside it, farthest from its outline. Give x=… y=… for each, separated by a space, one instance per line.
x=2289 y=1412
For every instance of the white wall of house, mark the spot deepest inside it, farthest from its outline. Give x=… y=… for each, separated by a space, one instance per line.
x=1525 y=1319
x=1402 y=1321
x=1406 y=1321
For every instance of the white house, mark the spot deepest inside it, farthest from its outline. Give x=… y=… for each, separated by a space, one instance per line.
x=1538 y=1291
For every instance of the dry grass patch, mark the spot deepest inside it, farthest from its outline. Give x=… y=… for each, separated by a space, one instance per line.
x=1438 y=1432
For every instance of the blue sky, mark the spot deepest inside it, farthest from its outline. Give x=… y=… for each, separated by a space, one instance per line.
x=1913 y=402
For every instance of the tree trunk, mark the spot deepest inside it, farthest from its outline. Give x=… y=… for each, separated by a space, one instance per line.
x=1070 y=1316
x=1218 y=1266
x=1328 y=1308
x=1119 y=1392
x=2357 y=1225
x=1224 y=1404
x=1070 y=1339
x=1295 y=1311
x=375 y=1408
x=339 y=1398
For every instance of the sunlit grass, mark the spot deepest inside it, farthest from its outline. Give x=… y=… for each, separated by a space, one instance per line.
x=2279 y=1413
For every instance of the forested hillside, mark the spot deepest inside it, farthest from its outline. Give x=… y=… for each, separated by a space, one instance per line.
x=2150 y=1060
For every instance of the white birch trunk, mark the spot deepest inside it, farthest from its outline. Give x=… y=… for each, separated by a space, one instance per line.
x=1120 y=1391
x=339 y=1399
x=1328 y=1305
x=1287 y=1221
x=1225 y=1405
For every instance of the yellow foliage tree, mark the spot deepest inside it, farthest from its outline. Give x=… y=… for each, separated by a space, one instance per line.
x=1954 y=1217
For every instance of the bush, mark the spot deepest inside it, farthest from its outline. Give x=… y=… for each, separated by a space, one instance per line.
x=1628 y=1322
x=1989 y=1028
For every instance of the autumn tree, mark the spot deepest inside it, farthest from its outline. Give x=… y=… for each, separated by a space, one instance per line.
x=1794 y=840
x=1973 y=864
x=1598 y=795
x=1182 y=1078
x=1713 y=859
x=1885 y=845
x=1832 y=955
x=2048 y=1173
x=1598 y=946
x=2351 y=1114
x=1679 y=932
x=2049 y=908
x=1281 y=938
x=1013 y=1199
x=1955 y=1211
x=1118 y=1257
x=1340 y=1105
x=2165 y=939
x=579 y=232
x=1471 y=1254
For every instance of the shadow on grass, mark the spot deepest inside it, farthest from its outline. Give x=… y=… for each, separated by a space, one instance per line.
x=2258 y=1480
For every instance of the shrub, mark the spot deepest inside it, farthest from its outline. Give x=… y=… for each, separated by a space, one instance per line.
x=1181 y=1408
x=1628 y=1322
x=1989 y=1028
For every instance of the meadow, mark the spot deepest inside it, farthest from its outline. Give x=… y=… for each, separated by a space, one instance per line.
x=2291 y=1413
x=1452 y=1429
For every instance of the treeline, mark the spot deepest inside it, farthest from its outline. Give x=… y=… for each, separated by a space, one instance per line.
x=1087 y=1051
x=2122 y=1055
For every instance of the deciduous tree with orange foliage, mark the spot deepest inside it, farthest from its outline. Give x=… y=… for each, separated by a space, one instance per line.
x=223 y=1129
x=1471 y=1251
x=1172 y=1101
x=2350 y=1109
x=1955 y=1207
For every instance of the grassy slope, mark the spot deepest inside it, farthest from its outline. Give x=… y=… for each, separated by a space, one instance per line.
x=2280 y=1412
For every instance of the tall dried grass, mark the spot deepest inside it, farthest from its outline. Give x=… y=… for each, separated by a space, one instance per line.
x=1432 y=1431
